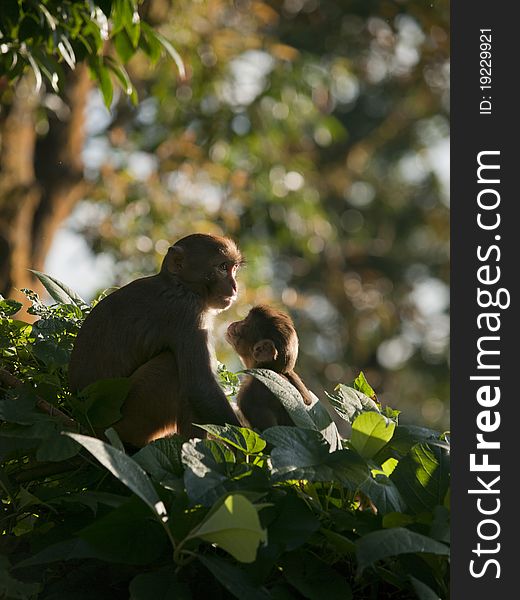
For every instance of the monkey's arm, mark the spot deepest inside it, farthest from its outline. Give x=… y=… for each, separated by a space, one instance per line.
x=198 y=383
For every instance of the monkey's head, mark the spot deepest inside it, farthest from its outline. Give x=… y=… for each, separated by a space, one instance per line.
x=266 y=338
x=207 y=265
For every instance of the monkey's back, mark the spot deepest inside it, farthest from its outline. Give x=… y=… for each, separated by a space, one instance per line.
x=116 y=338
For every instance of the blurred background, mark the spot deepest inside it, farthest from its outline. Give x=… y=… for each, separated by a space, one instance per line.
x=313 y=132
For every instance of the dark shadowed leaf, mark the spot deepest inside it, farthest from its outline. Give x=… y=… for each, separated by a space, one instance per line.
x=304 y=454
x=158 y=586
x=315 y=579
x=288 y=395
x=423 y=591
x=125 y=469
x=392 y=542
x=162 y=458
x=115 y=534
x=207 y=471
x=384 y=494
x=233 y=579
x=103 y=400
x=422 y=477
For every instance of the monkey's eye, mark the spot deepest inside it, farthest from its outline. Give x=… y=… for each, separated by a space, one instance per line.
x=223 y=267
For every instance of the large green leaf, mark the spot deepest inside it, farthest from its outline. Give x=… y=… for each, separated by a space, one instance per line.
x=422 y=477
x=59 y=291
x=162 y=458
x=304 y=454
x=241 y=438
x=370 y=432
x=349 y=402
x=207 y=473
x=236 y=581
x=113 y=535
x=384 y=494
x=103 y=400
x=288 y=395
x=293 y=524
x=392 y=542
x=125 y=469
x=235 y=527
x=314 y=416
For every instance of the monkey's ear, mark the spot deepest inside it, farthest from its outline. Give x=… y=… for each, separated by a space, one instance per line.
x=174 y=260
x=264 y=351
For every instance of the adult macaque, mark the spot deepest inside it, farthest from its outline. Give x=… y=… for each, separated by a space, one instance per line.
x=155 y=331
x=266 y=339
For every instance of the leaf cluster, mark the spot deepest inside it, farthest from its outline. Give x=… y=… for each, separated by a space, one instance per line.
x=50 y=37
x=289 y=513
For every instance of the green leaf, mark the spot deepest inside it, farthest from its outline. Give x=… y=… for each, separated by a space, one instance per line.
x=114 y=535
x=397 y=519
x=101 y=75
x=162 y=458
x=56 y=448
x=407 y=436
x=314 y=578
x=384 y=494
x=123 y=79
x=104 y=399
x=149 y=43
x=236 y=581
x=370 y=432
x=304 y=454
x=293 y=525
x=9 y=307
x=59 y=291
x=12 y=588
x=152 y=586
x=123 y=45
x=361 y=384
x=170 y=50
x=288 y=395
x=392 y=542
x=125 y=469
x=207 y=470
x=422 y=477
x=423 y=591
x=350 y=403
x=341 y=544
x=235 y=527
x=241 y=438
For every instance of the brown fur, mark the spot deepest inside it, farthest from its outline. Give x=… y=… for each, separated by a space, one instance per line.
x=155 y=331
x=266 y=339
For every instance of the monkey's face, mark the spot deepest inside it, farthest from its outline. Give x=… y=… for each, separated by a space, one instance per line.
x=241 y=336
x=207 y=265
x=265 y=338
x=222 y=285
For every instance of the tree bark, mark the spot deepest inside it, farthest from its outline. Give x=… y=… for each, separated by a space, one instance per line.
x=41 y=177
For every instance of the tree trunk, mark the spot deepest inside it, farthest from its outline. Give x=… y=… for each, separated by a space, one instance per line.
x=41 y=177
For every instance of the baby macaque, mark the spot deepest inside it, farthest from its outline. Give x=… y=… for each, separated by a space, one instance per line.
x=266 y=339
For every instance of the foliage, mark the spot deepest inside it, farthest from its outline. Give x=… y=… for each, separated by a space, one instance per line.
x=49 y=36
x=319 y=154
x=280 y=514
